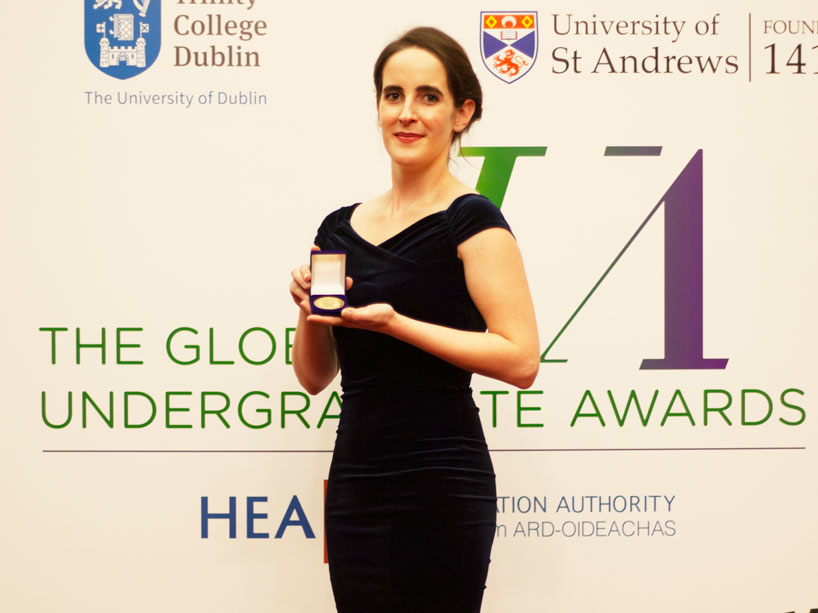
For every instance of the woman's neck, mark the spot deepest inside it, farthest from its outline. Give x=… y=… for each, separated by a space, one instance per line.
x=421 y=186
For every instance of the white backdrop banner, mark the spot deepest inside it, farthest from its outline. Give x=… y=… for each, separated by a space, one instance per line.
x=165 y=165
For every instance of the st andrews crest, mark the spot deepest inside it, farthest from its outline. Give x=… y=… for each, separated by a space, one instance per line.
x=508 y=43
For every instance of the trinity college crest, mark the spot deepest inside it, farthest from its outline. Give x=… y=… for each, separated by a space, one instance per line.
x=508 y=43
x=122 y=37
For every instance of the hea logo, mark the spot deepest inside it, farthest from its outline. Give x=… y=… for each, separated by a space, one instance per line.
x=293 y=516
x=683 y=200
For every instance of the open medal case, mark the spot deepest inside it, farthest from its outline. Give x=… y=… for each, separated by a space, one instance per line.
x=328 y=285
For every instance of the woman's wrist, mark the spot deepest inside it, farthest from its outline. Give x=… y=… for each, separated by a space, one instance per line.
x=395 y=324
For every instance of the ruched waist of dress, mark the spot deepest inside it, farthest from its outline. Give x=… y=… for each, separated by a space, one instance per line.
x=414 y=390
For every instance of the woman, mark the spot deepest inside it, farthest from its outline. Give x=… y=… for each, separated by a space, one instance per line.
x=437 y=291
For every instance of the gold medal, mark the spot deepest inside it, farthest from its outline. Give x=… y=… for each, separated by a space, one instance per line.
x=328 y=303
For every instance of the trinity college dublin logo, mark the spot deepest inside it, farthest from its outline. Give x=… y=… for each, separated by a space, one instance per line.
x=122 y=37
x=508 y=43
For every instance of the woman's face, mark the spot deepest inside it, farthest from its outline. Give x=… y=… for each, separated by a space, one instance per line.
x=416 y=111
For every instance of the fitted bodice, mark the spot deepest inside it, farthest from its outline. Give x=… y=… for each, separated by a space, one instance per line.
x=418 y=272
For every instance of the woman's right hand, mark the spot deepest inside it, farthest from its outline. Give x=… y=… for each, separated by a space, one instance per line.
x=300 y=288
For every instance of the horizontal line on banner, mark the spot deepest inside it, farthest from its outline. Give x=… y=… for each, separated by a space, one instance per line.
x=187 y=450
x=660 y=449
x=553 y=449
x=628 y=151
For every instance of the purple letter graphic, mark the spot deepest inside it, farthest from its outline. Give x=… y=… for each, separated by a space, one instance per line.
x=684 y=321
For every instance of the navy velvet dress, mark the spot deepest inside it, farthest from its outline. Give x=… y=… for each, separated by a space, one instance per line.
x=411 y=502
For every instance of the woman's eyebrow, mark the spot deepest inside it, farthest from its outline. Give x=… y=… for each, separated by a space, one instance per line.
x=429 y=89
x=423 y=89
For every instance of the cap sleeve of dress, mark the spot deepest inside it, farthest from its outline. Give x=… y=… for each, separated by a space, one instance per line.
x=327 y=228
x=473 y=213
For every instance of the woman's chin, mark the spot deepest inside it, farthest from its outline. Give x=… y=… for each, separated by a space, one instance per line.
x=415 y=160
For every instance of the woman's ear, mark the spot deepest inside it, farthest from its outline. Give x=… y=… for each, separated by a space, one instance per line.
x=463 y=115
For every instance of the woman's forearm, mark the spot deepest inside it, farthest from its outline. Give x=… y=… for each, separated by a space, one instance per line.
x=485 y=353
x=510 y=353
x=315 y=359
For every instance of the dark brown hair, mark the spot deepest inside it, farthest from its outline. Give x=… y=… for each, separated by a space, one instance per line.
x=463 y=82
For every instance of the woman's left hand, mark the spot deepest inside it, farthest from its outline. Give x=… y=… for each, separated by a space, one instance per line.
x=375 y=317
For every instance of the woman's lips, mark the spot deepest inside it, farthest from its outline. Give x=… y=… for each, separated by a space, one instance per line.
x=408 y=137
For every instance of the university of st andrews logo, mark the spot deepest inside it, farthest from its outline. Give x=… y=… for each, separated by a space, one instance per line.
x=122 y=37
x=508 y=43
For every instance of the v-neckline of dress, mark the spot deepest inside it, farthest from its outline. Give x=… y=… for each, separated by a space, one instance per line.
x=403 y=230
